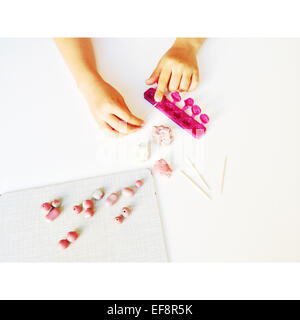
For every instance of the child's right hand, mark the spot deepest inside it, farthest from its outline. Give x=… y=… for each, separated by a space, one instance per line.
x=178 y=68
x=109 y=109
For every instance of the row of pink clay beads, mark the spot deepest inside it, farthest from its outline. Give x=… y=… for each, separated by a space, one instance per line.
x=129 y=192
x=51 y=210
x=190 y=103
x=71 y=237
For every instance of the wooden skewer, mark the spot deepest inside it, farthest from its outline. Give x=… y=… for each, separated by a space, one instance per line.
x=223 y=174
x=198 y=173
x=196 y=185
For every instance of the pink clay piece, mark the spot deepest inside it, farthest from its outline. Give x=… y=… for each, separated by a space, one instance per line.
x=139 y=183
x=111 y=199
x=77 y=209
x=56 y=203
x=63 y=244
x=88 y=213
x=87 y=204
x=162 y=135
x=53 y=214
x=204 y=118
x=189 y=102
x=125 y=212
x=119 y=219
x=128 y=192
x=72 y=236
x=46 y=207
x=195 y=110
x=98 y=194
x=176 y=96
x=162 y=167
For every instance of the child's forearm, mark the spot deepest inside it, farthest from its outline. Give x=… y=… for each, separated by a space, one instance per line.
x=193 y=43
x=78 y=54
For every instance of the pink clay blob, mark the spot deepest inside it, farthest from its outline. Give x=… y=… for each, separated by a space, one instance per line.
x=163 y=168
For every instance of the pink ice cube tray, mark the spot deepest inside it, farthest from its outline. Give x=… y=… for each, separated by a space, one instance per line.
x=178 y=115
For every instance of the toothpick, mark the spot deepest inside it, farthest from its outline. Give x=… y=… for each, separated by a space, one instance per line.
x=223 y=174
x=198 y=173
x=196 y=185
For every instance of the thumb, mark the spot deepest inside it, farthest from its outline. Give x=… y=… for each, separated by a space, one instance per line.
x=153 y=78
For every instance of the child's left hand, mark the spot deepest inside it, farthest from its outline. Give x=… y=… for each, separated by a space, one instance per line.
x=177 y=69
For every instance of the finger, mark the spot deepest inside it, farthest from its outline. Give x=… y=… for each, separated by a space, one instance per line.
x=162 y=84
x=109 y=131
x=185 y=82
x=175 y=81
x=194 y=82
x=127 y=116
x=154 y=77
x=120 y=125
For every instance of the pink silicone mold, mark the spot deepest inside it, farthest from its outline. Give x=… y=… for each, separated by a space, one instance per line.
x=178 y=115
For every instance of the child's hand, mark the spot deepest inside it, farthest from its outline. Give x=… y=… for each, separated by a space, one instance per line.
x=178 y=68
x=110 y=110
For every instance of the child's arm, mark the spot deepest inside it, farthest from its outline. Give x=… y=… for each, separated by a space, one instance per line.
x=107 y=105
x=178 y=68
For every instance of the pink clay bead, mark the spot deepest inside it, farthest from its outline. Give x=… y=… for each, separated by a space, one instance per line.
x=112 y=199
x=98 y=194
x=77 y=209
x=56 y=203
x=139 y=183
x=72 y=236
x=53 y=214
x=64 y=244
x=128 y=192
x=196 y=110
x=176 y=96
x=126 y=212
x=189 y=102
x=88 y=213
x=204 y=118
x=119 y=219
x=46 y=207
x=87 y=204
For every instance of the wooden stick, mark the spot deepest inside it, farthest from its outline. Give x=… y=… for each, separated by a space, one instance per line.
x=223 y=174
x=198 y=173
x=196 y=185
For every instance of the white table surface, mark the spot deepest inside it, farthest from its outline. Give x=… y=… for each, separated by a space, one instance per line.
x=249 y=87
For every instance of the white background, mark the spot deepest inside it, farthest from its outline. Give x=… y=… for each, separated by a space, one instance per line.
x=250 y=89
